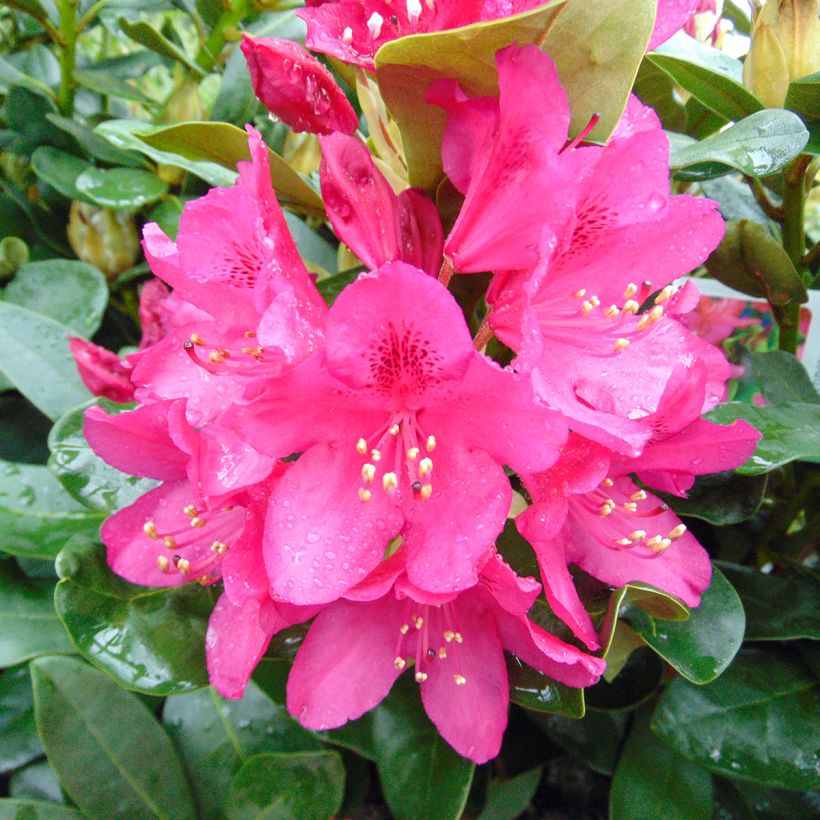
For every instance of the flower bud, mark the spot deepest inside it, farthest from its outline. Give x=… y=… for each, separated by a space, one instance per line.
x=295 y=87
x=104 y=238
x=14 y=254
x=785 y=45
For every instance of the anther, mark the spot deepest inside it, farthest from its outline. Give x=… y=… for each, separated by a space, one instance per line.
x=404 y=629
x=347 y=35
x=663 y=295
x=183 y=565
x=249 y=334
x=631 y=306
x=630 y=506
x=169 y=542
x=364 y=495
x=656 y=313
x=163 y=563
x=431 y=444
x=369 y=472
x=196 y=339
x=426 y=491
x=654 y=542
x=394 y=430
x=643 y=322
x=637 y=535
x=586 y=308
x=190 y=510
x=400 y=662
x=638 y=496
x=413 y=453
x=374 y=25
x=425 y=467
x=375 y=455
x=421 y=677
x=442 y=652
x=216 y=357
x=458 y=637
x=449 y=635
x=677 y=532
x=361 y=446
x=596 y=302
x=418 y=622
x=389 y=482
x=607 y=482
x=150 y=529
x=414 y=10
x=611 y=312
x=631 y=290
x=623 y=542
x=579 y=294
x=197 y=522
x=460 y=680
x=620 y=344
x=219 y=547
x=605 y=510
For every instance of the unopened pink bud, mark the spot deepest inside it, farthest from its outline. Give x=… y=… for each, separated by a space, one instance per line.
x=102 y=371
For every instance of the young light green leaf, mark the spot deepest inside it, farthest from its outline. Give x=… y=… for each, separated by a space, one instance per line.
x=120 y=188
x=145 y=34
x=59 y=170
x=111 y=755
x=783 y=379
x=109 y=85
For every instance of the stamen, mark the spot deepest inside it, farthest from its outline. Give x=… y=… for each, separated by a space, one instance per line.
x=677 y=532
x=375 y=455
x=170 y=543
x=586 y=308
x=196 y=339
x=425 y=467
x=579 y=294
x=426 y=491
x=190 y=510
x=611 y=312
x=449 y=635
x=197 y=522
x=369 y=472
x=400 y=662
x=394 y=430
x=421 y=677
x=663 y=295
x=183 y=565
x=460 y=680
x=442 y=652
x=431 y=444
x=163 y=563
x=150 y=529
x=404 y=629
x=361 y=446
x=413 y=453
x=389 y=482
x=631 y=306
x=607 y=482
x=630 y=506
x=638 y=496
x=418 y=622
x=620 y=344
x=413 y=10
x=364 y=495
x=596 y=302
x=637 y=535
x=374 y=25
x=347 y=35
x=631 y=290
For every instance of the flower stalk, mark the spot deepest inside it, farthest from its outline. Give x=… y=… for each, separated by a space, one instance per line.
x=68 y=55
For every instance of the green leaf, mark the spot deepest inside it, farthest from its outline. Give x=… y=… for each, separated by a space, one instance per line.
x=225 y=145
x=778 y=607
x=802 y=98
x=751 y=260
x=35 y=358
x=75 y=294
x=538 y=693
x=790 y=431
x=94 y=144
x=19 y=742
x=59 y=170
x=702 y=647
x=748 y=800
x=29 y=626
x=37 y=781
x=721 y=498
x=508 y=799
x=757 y=146
x=331 y=286
x=307 y=785
x=14 y=809
x=216 y=736
x=150 y=639
x=638 y=680
x=83 y=473
x=235 y=102
x=734 y=198
x=708 y=74
x=751 y=723
x=783 y=378
x=313 y=248
x=37 y=516
x=123 y=134
x=596 y=55
x=109 y=752
x=421 y=776
x=11 y=75
x=109 y=85
x=651 y=781
x=120 y=188
x=145 y=34
x=655 y=88
x=33 y=7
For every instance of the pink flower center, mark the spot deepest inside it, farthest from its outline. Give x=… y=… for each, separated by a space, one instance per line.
x=427 y=636
x=622 y=522
x=244 y=357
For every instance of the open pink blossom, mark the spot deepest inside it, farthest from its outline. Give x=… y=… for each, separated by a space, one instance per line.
x=378 y=225
x=358 y=646
x=296 y=87
x=251 y=308
x=403 y=428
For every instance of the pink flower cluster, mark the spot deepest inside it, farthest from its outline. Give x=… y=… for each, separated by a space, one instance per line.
x=353 y=465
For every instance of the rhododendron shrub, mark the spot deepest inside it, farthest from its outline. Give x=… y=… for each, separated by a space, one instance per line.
x=411 y=433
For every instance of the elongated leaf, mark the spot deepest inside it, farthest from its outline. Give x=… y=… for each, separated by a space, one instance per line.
x=35 y=358
x=111 y=755
x=790 y=431
x=709 y=75
x=19 y=742
x=107 y=84
x=75 y=294
x=10 y=75
x=122 y=134
x=750 y=260
x=534 y=691
x=802 y=98
x=83 y=473
x=120 y=188
x=96 y=145
x=145 y=34
x=59 y=170
x=757 y=146
x=17 y=809
x=37 y=781
x=150 y=639
x=651 y=778
x=722 y=498
x=751 y=723
x=29 y=626
x=703 y=646
x=216 y=736
x=225 y=145
x=778 y=607
x=508 y=799
x=33 y=7
x=37 y=516
x=307 y=785
x=783 y=378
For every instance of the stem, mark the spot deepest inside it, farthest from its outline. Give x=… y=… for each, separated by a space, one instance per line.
x=229 y=19
x=484 y=334
x=811 y=257
x=794 y=243
x=446 y=272
x=771 y=210
x=68 y=55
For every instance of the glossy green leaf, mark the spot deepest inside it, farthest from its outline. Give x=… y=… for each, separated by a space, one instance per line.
x=421 y=776
x=314 y=249
x=12 y=76
x=75 y=294
x=710 y=75
x=149 y=639
x=37 y=781
x=637 y=682
x=33 y=7
x=235 y=103
x=331 y=286
x=16 y=809
x=508 y=799
x=35 y=358
x=104 y=83
x=721 y=498
x=790 y=431
x=745 y=800
x=110 y=753
x=145 y=34
x=783 y=378
x=703 y=646
x=735 y=199
x=60 y=170
x=29 y=626
x=83 y=473
x=653 y=781
x=538 y=693
x=778 y=607
x=225 y=145
x=216 y=736
x=751 y=723
x=802 y=97
x=307 y=785
x=757 y=146
x=37 y=516
x=656 y=89
x=120 y=188
x=94 y=144
x=19 y=742
x=123 y=134
x=751 y=260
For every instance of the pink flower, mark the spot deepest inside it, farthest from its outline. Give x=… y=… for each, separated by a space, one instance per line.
x=358 y=646
x=102 y=372
x=378 y=225
x=296 y=87
x=403 y=427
